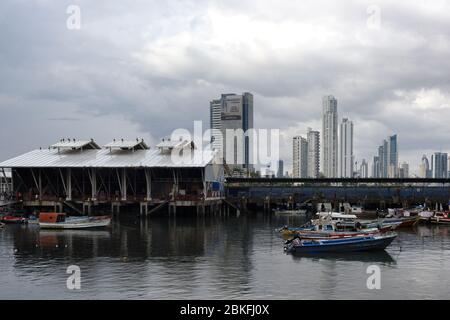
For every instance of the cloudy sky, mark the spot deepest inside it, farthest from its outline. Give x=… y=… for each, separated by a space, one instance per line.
x=144 y=68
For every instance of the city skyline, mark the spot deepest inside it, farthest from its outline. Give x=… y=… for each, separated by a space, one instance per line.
x=146 y=76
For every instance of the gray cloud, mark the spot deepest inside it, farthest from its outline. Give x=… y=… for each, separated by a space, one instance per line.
x=144 y=68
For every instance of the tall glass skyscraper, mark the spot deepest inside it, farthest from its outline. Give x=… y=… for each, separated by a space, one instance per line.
x=232 y=112
x=300 y=157
x=313 y=139
x=346 y=149
x=329 y=137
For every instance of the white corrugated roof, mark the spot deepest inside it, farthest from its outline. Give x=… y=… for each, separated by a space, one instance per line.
x=104 y=158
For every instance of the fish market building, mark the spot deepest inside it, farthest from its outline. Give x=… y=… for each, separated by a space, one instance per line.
x=81 y=176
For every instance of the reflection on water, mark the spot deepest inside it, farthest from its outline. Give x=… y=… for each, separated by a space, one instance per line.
x=212 y=258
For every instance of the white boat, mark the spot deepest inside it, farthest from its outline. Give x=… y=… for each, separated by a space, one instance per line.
x=59 y=221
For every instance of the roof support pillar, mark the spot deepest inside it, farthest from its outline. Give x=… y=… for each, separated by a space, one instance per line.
x=93 y=178
x=148 y=179
x=68 y=184
x=124 y=184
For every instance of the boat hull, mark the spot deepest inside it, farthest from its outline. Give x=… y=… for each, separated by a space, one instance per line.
x=80 y=224
x=435 y=220
x=355 y=244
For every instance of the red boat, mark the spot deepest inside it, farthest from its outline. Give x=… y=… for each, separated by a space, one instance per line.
x=13 y=220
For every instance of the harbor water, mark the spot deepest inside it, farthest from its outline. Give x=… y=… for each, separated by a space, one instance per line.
x=234 y=257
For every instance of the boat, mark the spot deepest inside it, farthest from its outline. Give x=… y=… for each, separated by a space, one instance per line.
x=10 y=219
x=336 y=225
x=441 y=218
x=351 y=244
x=1 y=225
x=289 y=211
x=426 y=215
x=54 y=220
x=402 y=222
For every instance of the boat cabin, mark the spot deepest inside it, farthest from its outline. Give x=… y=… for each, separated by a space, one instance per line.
x=52 y=217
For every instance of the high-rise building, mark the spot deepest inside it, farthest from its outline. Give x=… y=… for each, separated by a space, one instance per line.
x=440 y=165
x=392 y=157
x=280 y=169
x=329 y=137
x=300 y=157
x=313 y=139
x=376 y=172
x=364 y=169
x=388 y=158
x=232 y=113
x=404 y=170
x=424 y=168
x=346 y=149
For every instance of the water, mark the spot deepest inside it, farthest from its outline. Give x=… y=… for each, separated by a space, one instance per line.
x=213 y=258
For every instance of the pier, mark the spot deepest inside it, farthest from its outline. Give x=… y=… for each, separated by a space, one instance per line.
x=82 y=177
x=372 y=193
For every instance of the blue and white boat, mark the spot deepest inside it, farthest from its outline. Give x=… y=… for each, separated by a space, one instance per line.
x=350 y=244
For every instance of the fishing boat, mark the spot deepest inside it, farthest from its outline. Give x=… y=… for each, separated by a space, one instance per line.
x=289 y=211
x=10 y=219
x=54 y=220
x=351 y=244
x=402 y=222
x=441 y=218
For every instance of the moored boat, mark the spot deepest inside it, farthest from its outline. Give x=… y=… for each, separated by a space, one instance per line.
x=60 y=221
x=357 y=243
x=10 y=219
x=441 y=218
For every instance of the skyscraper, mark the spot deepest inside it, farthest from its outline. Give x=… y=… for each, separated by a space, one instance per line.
x=346 y=149
x=388 y=158
x=376 y=173
x=329 y=137
x=300 y=157
x=440 y=165
x=424 y=168
x=364 y=169
x=280 y=169
x=392 y=157
x=404 y=170
x=313 y=139
x=232 y=112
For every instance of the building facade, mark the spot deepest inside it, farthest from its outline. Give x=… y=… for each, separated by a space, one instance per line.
x=329 y=137
x=440 y=165
x=300 y=157
x=280 y=169
x=313 y=139
x=364 y=169
x=231 y=116
x=346 y=149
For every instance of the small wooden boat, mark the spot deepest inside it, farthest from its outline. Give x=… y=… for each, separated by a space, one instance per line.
x=10 y=219
x=287 y=211
x=441 y=218
x=60 y=221
x=351 y=244
x=403 y=222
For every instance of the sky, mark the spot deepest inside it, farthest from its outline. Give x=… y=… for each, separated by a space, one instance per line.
x=109 y=69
